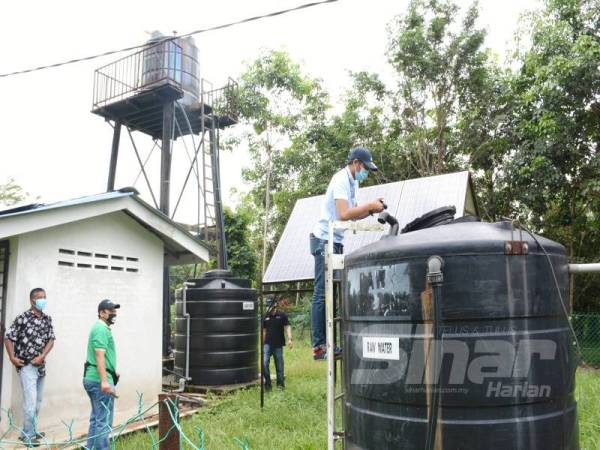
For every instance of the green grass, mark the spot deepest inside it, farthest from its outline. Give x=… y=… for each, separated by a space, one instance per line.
x=296 y=419
x=588 y=408
x=291 y=419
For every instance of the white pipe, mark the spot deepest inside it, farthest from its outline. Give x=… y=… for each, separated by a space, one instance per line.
x=584 y=268
x=187 y=337
x=329 y=337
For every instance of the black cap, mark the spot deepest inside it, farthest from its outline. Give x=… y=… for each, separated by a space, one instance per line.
x=364 y=156
x=107 y=304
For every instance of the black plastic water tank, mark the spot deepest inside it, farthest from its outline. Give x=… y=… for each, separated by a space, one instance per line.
x=507 y=376
x=223 y=330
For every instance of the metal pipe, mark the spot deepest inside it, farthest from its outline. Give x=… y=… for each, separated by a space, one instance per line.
x=165 y=162
x=114 y=154
x=329 y=339
x=584 y=268
x=262 y=364
x=435 y=278
x=166 y=309
x=386 y=217
x=137 y=154
x=187 y=336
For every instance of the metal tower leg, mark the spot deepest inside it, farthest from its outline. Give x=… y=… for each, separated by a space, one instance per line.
x=165 y=162
x=114 y=154
x=165 y=180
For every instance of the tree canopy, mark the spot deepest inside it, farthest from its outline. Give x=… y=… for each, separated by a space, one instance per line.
x=528 y=129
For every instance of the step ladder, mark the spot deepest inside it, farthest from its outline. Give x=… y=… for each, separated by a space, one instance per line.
x=333 y=317
x=207 y=99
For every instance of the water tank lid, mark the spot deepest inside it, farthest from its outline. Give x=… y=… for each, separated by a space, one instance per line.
x=217 y=273
x=433 y=218
x=156 y=36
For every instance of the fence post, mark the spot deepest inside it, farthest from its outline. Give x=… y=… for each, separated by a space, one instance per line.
x=168 y=434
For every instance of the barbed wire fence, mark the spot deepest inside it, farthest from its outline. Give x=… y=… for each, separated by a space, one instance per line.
x=170 y=431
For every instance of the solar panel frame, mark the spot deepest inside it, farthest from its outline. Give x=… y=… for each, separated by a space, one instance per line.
x=406 y=200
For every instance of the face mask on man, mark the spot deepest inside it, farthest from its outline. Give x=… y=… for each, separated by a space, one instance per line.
x=112 y=318
x=40 y=303
x=362 y=175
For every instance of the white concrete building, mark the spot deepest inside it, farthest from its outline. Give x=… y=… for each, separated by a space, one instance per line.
x=112 y=245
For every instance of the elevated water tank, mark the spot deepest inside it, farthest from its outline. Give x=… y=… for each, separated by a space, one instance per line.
x=223 y=330
x=507 y=367
x=166 y=59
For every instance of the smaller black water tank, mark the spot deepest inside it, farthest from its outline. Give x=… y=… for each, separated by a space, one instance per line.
x=223 y=330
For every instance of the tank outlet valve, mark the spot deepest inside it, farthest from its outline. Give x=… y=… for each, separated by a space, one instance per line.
x=435 y=264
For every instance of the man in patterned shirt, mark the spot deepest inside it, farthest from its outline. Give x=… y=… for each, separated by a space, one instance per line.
x=28 y=341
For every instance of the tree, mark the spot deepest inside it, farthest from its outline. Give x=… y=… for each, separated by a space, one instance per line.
x=554 y=166
x=242 y=261
x=279 y=108
x=11 y=193
x=529 y=136
x=442 y=68
x=364 y=121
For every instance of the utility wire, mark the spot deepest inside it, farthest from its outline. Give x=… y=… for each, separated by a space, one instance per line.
x=203 y=30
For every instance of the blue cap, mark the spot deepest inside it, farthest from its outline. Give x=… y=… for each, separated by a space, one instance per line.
x=364 y=156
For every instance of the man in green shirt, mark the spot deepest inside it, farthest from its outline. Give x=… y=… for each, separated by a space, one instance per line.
x=100 y=376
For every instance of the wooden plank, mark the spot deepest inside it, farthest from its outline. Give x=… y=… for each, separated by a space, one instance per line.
x=221 y=389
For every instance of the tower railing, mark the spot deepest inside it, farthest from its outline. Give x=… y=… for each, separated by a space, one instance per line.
x=155 y=65
x=224 y=101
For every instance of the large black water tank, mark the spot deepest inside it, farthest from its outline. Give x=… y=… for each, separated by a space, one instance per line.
x=507 y=374
x=223 y=330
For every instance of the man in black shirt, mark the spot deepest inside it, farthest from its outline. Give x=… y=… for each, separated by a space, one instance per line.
x=273 y=337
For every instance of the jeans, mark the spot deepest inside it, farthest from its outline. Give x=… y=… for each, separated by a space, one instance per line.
x=277 y=353
x=317 y=314
x=33 y=388
x=101 y=418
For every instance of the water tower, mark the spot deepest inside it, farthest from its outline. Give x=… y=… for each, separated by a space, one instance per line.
x=157 y=91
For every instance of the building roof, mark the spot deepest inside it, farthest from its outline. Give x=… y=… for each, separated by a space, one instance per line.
x=181 y=247
x=406 y=200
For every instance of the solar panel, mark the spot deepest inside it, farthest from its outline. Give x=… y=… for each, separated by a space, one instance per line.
x=406 y=200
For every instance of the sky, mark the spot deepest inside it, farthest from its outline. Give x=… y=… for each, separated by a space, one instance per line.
x=56 y=149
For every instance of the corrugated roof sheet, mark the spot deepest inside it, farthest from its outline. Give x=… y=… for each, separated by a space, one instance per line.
x=406 y=200
x=36 y=207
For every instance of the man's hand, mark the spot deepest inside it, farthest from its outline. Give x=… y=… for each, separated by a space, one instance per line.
x=290 y=344
x=106 y=387
x=376 y=206
x=37 y=361
x=17 y=362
